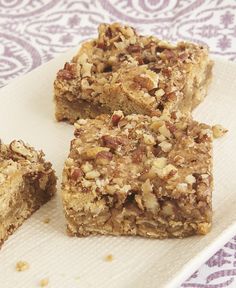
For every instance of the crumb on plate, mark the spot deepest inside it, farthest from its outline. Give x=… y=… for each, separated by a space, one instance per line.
x=109 y=258
x=43 y=282
x=22 y=266
x=46 y=220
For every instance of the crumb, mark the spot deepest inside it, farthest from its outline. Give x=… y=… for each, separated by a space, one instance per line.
x=109 y=258
x=218 y=131
x=43 y=282
x=22 y=266
x=46 y=220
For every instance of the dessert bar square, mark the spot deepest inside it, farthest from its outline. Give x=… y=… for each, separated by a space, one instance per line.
x=27 y=181
x=139 y=175
x=122 y=70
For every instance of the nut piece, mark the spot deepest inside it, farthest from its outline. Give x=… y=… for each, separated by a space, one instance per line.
x=22 y=266
x=116 y=117
x=218 y=131
x=169 y=170
x=148 y=139
x=149 y=198
x=190 y=179
x=164 y=131
x=113 y=142
x=168 y=209
x=20 y=148
x=103 y=157
x=76 y=174
x=182 y=187
x=165 y=146
x=145 y=82
x=91 y=153
x=160 y=162
x=92 y=174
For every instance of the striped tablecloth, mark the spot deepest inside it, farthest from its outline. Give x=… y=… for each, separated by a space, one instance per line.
x=35 y=31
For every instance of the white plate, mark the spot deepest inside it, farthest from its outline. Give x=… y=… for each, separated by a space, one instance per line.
x=26 y=112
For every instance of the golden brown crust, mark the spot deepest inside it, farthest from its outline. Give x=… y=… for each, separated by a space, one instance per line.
x=121 y=70
x=27 y=181
x=139 y=175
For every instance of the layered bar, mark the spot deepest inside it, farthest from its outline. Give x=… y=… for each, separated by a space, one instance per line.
x=139 y=175
x=27 y=181
x=122 y=70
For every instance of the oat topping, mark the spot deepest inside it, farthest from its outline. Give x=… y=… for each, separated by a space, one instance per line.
x=136 y=172
x=148 y=75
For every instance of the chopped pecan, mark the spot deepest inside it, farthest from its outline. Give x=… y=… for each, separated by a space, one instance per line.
x=115 y=119
x=108 y=32
x=171 y=96
x=169 y=53
x=138 y=154
x=104 y=157
x=113 y=142
x=76 y=174
x=78 y=132
x=134 y=48
x=183 y=56
x=101 y=45
x=155 y=68
x=170 y=127
x=144 y=82
x=156 y=150
x=152 y=92
x=67 y=73
x=91 y=153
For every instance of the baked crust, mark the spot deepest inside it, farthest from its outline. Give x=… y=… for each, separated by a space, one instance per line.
x=121 y=70
x=139 y=175
x=27 y=181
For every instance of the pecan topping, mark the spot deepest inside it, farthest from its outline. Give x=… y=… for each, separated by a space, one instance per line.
x=77 y=132
x=67 y=73
x=169 y=54
x=76 y=174
x=108 y=32
x=104 y=157
x=138 y=154
x=170 y=127
x=144 y=82
x=134 y=48
x=113 y=142
x=115 y=119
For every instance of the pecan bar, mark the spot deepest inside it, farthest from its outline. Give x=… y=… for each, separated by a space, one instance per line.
x=139 y=175
x=26 y=183
x=121 y=70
